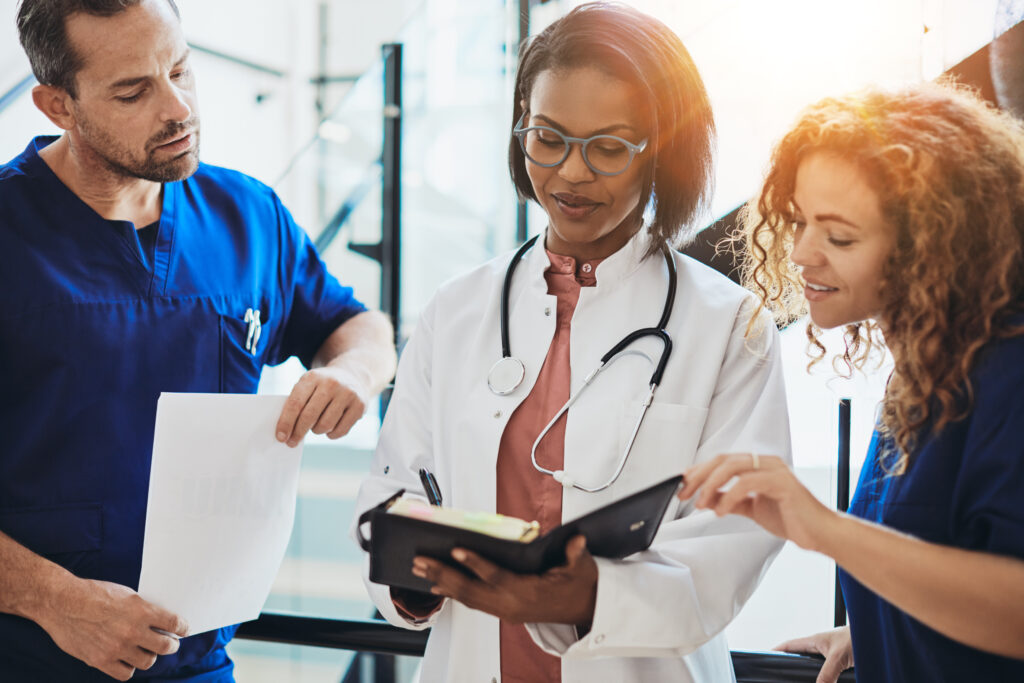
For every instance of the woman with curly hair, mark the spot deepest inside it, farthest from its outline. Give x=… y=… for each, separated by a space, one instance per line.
x=901 y=217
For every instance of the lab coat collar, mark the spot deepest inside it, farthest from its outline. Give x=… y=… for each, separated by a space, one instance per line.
x=610 y=272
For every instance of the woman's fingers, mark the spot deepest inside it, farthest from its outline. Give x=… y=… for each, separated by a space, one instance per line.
x=760 y=482
x=447 y=582
x=834 y=645
x=695 y=477
x=801 y=646
x=710 y=477
x=454 y=583
x=724 y=468
x=830 y=670
x=814 y=645
x=488 y=572
x=575 y=549
x=565 y=594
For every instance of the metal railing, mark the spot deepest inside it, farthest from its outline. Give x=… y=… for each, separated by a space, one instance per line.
x=380 y=637
x=366 y=635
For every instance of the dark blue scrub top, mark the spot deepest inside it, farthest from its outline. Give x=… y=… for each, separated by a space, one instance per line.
x=91 y=331
x=965 y=488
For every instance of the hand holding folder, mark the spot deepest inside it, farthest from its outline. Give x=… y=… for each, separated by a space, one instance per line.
x=616 y=530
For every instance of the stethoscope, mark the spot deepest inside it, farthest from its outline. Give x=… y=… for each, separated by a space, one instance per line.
x=507 y=374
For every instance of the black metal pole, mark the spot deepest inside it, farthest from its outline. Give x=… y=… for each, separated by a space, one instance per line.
x=388 y=252
x=842 y=493
x=346 y=634
x=522 y=228
x=391 y=190
x=391 y=197
x=323 y=40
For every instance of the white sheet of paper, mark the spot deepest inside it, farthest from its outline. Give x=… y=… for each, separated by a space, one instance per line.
x=221 y=505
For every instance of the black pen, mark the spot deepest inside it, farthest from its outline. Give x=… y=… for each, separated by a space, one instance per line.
x=430 y=486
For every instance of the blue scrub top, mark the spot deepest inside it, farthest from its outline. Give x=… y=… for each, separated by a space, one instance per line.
x=92 y=330
x=963 y=488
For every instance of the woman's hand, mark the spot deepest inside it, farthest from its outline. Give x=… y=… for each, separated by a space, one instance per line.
x=835 y=646
x=765 y=490
x=563 y=595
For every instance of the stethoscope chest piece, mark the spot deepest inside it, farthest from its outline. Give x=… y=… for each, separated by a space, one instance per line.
x=506 y=375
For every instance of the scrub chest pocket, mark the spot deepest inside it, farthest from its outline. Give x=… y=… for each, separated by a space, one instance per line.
x=243 y=341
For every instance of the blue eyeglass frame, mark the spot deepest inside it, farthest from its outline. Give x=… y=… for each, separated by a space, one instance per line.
x=520 y=134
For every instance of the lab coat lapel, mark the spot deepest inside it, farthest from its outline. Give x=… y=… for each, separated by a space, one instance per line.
x=623 y=300
x=531 y=328
x=81 y=223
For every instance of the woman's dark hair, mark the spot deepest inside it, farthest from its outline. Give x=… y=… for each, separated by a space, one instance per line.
x=640 y=50
x=42 y=29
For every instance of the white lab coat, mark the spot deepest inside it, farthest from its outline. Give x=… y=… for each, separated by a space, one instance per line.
x=660 y=613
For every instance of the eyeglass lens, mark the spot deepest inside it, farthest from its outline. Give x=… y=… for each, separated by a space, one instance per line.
x=603 y=153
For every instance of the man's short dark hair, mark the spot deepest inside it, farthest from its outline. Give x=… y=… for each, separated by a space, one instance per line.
x=42 y=29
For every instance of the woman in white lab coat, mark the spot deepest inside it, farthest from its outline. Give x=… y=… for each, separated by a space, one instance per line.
x=610 y=118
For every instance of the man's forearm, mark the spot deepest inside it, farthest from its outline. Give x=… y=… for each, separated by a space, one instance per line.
x=27 y=580
x=363 y=345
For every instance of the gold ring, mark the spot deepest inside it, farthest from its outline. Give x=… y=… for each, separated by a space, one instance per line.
x=757 y=460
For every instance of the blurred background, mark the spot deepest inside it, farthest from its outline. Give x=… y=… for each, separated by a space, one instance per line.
x=384 y=127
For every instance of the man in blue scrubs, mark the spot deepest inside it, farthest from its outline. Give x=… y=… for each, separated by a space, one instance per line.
x=127 y=268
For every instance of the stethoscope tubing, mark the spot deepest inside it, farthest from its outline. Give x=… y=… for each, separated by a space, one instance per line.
x=506 y=292
x=613 y=353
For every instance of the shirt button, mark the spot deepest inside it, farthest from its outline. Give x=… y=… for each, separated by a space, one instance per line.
x=599 y=638
x=497 y=414
x=547 y=311
x=494 y=679
x=586 y=267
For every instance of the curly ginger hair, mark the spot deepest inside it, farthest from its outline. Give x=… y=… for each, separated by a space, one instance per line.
x=948 y=170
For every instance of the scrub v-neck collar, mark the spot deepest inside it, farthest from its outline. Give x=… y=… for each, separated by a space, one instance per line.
x=148 y=278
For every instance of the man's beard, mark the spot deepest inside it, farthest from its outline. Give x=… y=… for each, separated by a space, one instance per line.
x=120 y=162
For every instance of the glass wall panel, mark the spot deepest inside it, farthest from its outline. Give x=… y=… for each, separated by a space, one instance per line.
x=458 y=210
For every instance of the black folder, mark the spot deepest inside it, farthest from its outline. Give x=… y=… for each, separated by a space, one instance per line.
x=616 y=530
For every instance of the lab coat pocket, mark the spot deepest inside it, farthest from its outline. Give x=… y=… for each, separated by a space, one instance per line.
x=666 y=443
x=69 y=535
x=242 y=343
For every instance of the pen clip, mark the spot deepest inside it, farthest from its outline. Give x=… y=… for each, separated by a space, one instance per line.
x=252 y=337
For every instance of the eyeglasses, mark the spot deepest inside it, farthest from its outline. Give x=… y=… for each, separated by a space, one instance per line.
x=603 y=154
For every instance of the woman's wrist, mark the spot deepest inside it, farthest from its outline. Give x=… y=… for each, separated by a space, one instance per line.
x=415 y=605
x=832 y=533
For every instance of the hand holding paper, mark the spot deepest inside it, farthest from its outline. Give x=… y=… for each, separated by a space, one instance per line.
x=109 y=627
x=221 y=505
